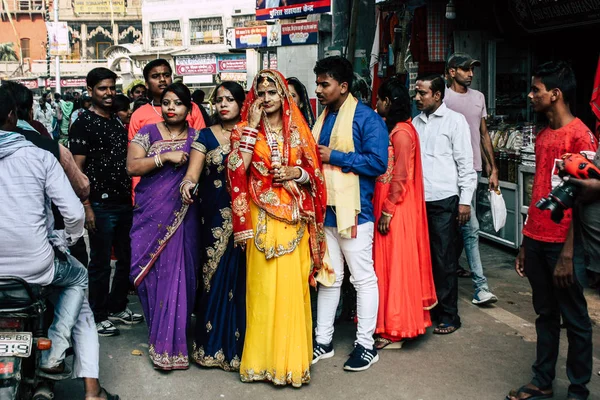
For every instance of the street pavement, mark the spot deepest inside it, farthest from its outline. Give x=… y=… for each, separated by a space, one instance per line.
x=491 y=354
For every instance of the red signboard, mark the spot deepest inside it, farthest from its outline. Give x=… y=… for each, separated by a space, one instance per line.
x=67 y=82
x=232 y=65
x=201 y=64
x=29 y=83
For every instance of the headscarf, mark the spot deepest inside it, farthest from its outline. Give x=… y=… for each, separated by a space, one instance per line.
x=11 y=142
x=290 y=202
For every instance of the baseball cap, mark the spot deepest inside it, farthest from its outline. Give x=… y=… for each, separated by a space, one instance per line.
x=462 y=60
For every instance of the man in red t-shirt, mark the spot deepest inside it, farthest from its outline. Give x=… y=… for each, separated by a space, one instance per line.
x=547 y=252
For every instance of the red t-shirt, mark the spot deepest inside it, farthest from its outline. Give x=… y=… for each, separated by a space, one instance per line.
x=551 y=145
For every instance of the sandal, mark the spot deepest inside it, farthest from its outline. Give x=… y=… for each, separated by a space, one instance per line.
x=104 y=392
x=445 y=329
x=462 y=273
x=383 y=343
x=535 y=394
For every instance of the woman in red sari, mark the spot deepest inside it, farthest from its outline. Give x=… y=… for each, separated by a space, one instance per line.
x=401 y=243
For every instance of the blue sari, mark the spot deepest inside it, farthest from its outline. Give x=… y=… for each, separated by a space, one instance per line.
x=221 y=309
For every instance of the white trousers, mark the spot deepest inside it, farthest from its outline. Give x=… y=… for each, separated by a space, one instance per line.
x=358 y=254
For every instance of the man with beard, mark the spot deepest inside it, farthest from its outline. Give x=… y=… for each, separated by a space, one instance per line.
x=450 y=181
x=469 y=102
x=158 y=76
x=548 y=256
x=99 y=144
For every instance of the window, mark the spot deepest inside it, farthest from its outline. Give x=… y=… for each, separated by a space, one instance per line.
x=101 y=47
x=239 y=21
x=165 y=33
x=30 y=5
x=206 y=31
x=25 y=48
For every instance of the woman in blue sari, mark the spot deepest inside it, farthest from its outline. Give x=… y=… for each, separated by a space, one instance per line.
x=221 y=309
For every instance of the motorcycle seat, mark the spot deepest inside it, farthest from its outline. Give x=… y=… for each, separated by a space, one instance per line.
x=16 y=295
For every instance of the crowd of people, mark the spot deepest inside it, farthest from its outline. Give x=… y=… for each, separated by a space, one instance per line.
x=233 y=217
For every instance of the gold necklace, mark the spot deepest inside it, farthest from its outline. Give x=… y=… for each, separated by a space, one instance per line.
x=175 y=136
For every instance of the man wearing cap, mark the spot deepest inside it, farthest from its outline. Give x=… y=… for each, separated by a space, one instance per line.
x=471 y=103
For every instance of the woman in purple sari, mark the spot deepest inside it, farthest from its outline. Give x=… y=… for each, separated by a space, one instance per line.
x=164 y=248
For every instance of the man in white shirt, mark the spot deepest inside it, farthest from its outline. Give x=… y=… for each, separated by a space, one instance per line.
x=450 y=182
x=31 y=178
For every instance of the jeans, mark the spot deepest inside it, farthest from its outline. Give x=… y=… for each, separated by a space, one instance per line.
x=71 y=277
x=550 y=302
x=358 y=253
x=443 y=228
x=470 y=240
x=113 y=223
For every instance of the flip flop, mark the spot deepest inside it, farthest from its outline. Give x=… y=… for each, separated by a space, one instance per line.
x=445 y=329
x=536 y=394
x=388 y=344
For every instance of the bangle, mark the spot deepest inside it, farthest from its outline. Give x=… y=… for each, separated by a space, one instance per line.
x=158 y=161
x=387 y=214
x=303 y=176
x=184 y=182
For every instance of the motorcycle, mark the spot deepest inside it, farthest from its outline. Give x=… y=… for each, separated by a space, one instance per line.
x=22 y=339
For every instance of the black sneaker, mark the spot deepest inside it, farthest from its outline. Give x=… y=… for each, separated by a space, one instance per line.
x=361 y=359
x=322 y=351
x=106 y=328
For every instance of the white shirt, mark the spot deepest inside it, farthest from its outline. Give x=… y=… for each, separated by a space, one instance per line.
x=446 y=155
x=28 y=176
x=44 y=116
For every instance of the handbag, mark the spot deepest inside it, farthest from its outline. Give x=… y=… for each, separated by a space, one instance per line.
x=498 y=209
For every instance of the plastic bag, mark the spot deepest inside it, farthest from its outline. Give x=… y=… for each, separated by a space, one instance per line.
x=498 y=209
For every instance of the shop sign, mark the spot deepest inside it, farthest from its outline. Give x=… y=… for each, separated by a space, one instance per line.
x=67 y=82
x=234 y=76
x=233 y=63
x=543 y=15
x=29 y=83
x=271 y=9
x=301 y=33
x=200 y=64
x=98 y=6
x=58 y=35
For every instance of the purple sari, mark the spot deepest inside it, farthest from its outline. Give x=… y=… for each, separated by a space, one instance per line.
x=164 y=251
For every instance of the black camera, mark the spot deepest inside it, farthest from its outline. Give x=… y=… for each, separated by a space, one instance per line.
x=561 y=198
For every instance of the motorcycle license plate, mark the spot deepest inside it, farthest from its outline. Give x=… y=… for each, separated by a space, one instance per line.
x=15 y=344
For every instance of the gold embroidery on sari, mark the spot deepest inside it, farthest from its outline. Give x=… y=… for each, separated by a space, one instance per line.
x=261 y=167
x=388 y=175
x=208 y=326
x=166 y=361
x=217 y=360
x=218 y=183
x=250 y=375
x=280 y=249
x=269 y=197
x=143 y=139
x=215 y=156
x=200 y=147
x=161 y=146
x=214 y=253
x=234 y=161
x=230 y=295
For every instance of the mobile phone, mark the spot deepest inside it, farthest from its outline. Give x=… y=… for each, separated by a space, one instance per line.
x=195 y=190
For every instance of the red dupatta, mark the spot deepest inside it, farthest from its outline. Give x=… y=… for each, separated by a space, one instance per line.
x=290 y=202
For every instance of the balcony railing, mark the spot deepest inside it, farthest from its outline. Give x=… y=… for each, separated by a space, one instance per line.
x=23 y=6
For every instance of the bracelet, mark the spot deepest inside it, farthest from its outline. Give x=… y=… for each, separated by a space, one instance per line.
x=249 y=130
x=387 y=214
x=303 y=177
x=184 y=182
x=158 y=161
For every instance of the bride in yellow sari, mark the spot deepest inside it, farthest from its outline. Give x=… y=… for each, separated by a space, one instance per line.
x=278 y=201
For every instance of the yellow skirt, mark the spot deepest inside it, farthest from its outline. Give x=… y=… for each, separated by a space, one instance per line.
x=278 y=343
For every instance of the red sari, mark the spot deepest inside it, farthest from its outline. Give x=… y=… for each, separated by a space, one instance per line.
x=402 y=257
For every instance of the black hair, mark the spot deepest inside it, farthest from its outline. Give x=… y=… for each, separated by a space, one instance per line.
x=56 y=96
x=155 y=63
x=400 y=109
x=236 y=90
x=557 y=75
x=68 y=97
x=181 y=91
x=140 y=102
x=99 y=74
x=135 y=87
x=337 y=67
x=298 y=87
x=23 y=98
x=198 y=96
x=437 y=83
x=121 y=103
x=46 y=94
x=304 y=100
x=7 y=104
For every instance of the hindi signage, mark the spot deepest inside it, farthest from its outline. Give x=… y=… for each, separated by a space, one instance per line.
x=231 y=63
x=200 y=64
x=58 y=34
x=543 y=15
x=301 y=33
x=273 y=9
x=98 y=6
x=67 y=82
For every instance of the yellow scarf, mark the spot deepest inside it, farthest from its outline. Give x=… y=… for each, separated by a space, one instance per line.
x=343 y=189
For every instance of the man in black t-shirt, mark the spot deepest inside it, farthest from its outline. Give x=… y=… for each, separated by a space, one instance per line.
x=98 y=142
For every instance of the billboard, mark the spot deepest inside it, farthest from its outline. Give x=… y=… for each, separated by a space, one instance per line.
x=301 y=33
x=98 y=6
x=274 y=9
x=200 y=64
x=231 y=63
x=58 y=34
x=67 y=82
